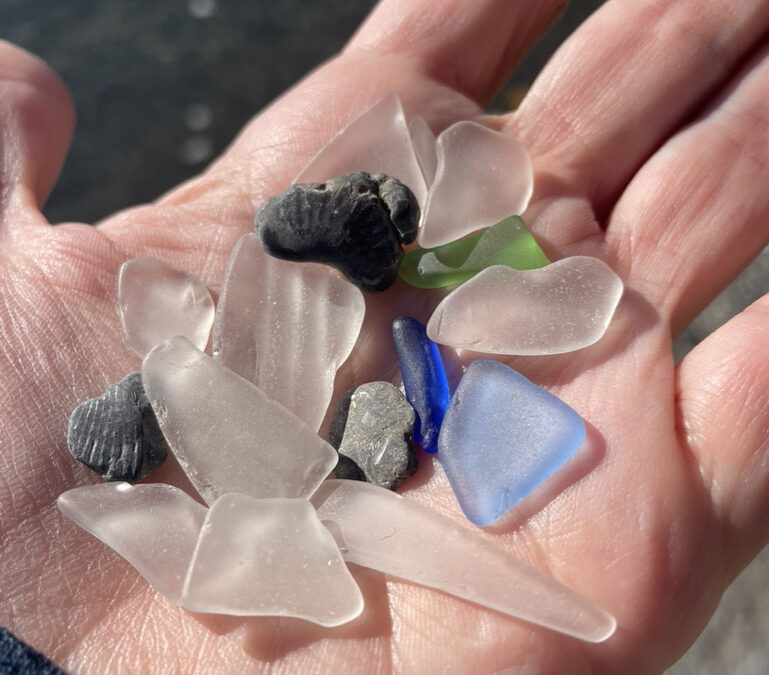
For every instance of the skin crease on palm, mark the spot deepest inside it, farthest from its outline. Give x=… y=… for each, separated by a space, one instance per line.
x=648 y=131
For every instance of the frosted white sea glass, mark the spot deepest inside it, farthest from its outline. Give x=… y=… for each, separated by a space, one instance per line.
x=380 y=529
x=377 y=141
x=482 y=177
x=564 y=306
x=270 y=557
x=226 y=433
x=156 y=301
x=155 y=527
x=423 y=140
x=287 y=327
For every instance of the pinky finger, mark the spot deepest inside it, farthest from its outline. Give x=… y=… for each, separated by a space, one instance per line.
x=723 y=396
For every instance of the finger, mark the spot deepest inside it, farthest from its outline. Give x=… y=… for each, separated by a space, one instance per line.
x=36 y=123
x=724 y=415
x=625 y=80
x=698 y=211
x=472 y=47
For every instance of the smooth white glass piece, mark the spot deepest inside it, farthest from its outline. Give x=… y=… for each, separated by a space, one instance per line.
x=155 y=527
x=287 y=327
x=564 y=306
x=377 y=141
x=156 y=301
x=482 y=177
x=270 y=557
x=380 y=529
x=423 y=140
x=227 y=434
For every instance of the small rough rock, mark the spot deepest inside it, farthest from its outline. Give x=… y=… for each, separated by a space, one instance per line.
x=345 y=468
x=117 y=434
x=503 y=436
x=355 y=223
x=424 y=379
x=377 y=436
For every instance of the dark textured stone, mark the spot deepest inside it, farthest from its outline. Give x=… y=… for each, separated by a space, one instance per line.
x=345 y=467
x=355 y=223
x=339 y=420
x=377 y=436
x=117 y=435
x=348 y=469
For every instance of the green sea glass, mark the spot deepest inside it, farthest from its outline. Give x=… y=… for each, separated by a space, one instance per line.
x=509 y=243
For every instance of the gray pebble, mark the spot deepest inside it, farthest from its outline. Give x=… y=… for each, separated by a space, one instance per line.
x=117 y=434
x=377 y=435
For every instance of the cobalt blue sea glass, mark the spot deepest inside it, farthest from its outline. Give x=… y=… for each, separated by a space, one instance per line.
x=501 y=437
x=424 y=379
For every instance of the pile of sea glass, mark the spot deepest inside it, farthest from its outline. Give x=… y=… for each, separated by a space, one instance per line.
x=285 y=511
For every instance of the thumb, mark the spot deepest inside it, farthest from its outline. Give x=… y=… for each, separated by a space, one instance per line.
x=36 y=122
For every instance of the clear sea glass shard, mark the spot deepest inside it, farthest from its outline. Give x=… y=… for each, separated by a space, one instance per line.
x=379 y=529
x=423 y=140
x=482 y=177
x=156 y=301
x=227 y=434
x=286 y=327
x=154 y=527
x=551 y=310
x=501 y=437
x=509 y=242
x=270 y=557
x=377 y=141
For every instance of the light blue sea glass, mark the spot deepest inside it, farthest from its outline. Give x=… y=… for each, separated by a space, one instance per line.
x=502 y=436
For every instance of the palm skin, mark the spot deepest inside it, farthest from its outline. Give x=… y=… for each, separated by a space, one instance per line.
x=658 y=512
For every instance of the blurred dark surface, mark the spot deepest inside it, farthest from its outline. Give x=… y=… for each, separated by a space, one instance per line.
x=162 y=87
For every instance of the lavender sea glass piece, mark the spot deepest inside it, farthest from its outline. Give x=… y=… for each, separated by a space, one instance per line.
x=564 y=306
x=423 y=140
x=377 y=141
x=380 y=529
x=502 y=436
x=482 y=177
x=154 y=527
x=287 y=327
x=227 y=434
x=156 y=301
x=270 y=557
x=424 y=379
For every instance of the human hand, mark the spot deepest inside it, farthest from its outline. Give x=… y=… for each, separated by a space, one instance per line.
x=669 y=502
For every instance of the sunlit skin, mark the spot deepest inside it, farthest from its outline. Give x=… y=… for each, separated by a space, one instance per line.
x=649 y=136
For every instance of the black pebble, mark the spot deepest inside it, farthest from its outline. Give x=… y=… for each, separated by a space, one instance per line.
x=355 y=223
x=117 y=435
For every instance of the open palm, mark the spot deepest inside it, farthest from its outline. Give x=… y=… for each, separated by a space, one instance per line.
x=650 y=141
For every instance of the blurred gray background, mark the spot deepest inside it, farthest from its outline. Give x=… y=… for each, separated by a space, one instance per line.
x=162 y=87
